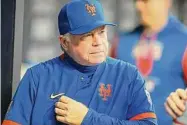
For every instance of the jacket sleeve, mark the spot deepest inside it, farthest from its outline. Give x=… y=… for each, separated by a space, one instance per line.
x=140 y=111
x=20 y=108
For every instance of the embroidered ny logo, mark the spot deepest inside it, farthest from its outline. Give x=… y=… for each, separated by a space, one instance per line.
x=91 y=9
x=105 y=92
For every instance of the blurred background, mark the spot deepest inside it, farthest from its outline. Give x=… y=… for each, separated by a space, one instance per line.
x=36 y=33
x=40 y=32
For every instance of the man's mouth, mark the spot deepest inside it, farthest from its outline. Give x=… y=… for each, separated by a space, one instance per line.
x=96 y=52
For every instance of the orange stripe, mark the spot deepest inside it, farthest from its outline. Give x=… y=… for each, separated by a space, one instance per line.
x=143 y=116
x=9 y=122
x=184 y=65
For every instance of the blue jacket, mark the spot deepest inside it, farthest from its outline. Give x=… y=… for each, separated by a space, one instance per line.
x=113 y=91
x=164 y=66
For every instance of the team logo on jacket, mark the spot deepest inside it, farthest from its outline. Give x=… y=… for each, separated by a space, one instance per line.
x=91 y=9
x=105 y=91
x=145 y=54
x=143 y=49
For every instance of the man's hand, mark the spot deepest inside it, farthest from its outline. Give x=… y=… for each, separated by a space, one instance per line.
x=70 y=111
x=175 y=103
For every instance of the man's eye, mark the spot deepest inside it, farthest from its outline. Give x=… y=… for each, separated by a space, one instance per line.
x=101 y=32
x=86 y=36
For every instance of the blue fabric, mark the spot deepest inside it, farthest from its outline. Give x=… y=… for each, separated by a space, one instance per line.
x=80 y=68
x=75 y=18
x=32 y=104
x=167 y=73
x=94 y=118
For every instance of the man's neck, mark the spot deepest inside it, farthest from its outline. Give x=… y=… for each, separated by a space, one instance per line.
x=156 y=28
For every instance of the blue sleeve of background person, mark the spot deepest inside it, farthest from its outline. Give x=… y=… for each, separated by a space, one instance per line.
x=22 y=103
x=140 y=112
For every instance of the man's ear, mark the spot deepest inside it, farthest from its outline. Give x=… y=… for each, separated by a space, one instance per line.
x=63 y=42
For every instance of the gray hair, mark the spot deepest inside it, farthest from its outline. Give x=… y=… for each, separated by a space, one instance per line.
x=67 y=37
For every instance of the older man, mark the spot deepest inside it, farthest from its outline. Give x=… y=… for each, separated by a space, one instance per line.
x=82 y=86
x=157 y=47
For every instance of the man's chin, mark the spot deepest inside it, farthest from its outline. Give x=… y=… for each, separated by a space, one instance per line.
x=97 y=61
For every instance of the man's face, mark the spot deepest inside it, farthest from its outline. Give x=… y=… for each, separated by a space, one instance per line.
x=152 y=11
x=90 y=48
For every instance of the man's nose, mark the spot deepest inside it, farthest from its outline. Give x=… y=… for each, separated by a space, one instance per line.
x=96 y=40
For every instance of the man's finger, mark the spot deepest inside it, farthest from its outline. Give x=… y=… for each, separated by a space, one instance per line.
x=64 y=99
x=61 y=119
x=170 y=112
x=60 y=112
x=179 y=103
x=61 y=105
x=173 y=106
x=182 y=94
